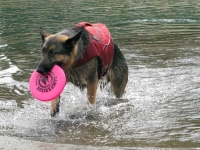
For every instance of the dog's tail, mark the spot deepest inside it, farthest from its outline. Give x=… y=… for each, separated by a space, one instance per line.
x=118 y=73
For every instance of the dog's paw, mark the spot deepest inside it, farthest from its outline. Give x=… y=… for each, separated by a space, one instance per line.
x=53 y=113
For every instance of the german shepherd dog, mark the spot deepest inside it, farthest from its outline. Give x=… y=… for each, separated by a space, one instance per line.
x=66 y=48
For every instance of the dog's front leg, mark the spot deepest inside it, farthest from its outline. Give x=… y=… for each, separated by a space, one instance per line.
x=55 y=106
x=92 y=89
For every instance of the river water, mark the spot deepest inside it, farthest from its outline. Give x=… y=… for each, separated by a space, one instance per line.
x=161 y=43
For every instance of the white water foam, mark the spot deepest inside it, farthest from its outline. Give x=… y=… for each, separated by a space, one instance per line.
x=11 y=69
x=161 y=20
x=6 y=74
x=1 y=46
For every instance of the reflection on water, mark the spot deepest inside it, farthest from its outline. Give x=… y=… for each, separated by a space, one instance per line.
x=161 y=107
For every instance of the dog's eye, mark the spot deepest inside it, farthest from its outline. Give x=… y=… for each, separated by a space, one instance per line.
x=52 y=53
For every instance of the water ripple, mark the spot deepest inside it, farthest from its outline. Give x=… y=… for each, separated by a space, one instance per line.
x=162 y=21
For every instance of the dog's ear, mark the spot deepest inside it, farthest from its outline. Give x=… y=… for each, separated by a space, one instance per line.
x=72 y=41
x=43 y=33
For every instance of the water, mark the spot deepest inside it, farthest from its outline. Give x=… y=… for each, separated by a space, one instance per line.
x=161 y=43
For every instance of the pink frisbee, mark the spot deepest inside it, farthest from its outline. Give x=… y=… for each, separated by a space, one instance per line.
x=49 y=86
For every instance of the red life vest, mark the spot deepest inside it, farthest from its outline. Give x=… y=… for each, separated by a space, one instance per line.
x=101 y=45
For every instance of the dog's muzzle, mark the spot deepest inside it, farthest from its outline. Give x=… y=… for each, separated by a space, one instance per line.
x=43 y=70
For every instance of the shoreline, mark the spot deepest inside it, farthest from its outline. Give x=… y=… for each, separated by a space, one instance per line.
x=16 y=143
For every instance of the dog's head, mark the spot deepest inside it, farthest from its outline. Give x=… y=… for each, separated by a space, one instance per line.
x=57 y=49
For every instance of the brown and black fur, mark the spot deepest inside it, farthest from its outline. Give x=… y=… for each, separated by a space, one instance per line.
x=65 y=48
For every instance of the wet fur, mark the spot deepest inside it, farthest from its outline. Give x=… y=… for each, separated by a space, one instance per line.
x=65 y=48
